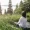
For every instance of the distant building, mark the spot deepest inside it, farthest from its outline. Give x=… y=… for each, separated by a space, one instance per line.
x=0 y=9
x=10 y=8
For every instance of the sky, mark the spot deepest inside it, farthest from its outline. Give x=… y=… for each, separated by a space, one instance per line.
x=5 y=2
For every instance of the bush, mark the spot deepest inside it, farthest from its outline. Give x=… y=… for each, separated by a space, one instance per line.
x=4 y=19
x=28 y=16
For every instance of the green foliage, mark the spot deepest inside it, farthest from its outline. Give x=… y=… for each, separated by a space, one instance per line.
x=28 y=16
x=18 y=9
x=5 y=19
x=23 y=6
x=4 y=22
x=26 y=5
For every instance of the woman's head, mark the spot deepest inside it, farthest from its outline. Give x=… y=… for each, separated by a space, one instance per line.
x=24 y=13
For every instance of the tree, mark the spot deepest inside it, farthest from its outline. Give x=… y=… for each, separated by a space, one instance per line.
x=16 y=9
x=26 y=5
x=5 y=11
x=21 y=5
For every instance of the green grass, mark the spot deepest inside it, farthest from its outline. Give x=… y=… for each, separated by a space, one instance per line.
x=6 y=19
x=4 y=22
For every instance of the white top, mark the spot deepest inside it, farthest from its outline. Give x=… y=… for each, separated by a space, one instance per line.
x=22 y=22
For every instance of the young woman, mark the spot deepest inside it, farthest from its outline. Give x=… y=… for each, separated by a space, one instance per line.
x=22 y=21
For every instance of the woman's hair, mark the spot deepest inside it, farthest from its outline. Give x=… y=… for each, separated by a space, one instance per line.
x=24 y=14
